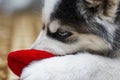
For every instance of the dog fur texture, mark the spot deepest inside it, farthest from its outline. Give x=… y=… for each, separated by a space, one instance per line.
x=85 y=36
x=78 y=29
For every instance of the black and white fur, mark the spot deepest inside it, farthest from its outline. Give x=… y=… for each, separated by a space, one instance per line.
x=85 y=34
x=72 y=26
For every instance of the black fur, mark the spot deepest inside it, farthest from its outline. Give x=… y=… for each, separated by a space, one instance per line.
x=68 y=12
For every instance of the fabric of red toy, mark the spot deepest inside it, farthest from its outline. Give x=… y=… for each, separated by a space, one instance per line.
x=18 y=60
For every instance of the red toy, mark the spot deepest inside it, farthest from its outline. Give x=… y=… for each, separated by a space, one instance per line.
x=18 y=60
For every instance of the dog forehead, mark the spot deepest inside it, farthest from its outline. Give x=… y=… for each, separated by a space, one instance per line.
x=64 y=10
x=67 y=12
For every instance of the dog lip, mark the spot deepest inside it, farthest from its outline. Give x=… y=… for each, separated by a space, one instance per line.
x=48 y=50
x=74 y=53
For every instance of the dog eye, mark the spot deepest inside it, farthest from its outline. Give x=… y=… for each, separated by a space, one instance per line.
x=63 y=34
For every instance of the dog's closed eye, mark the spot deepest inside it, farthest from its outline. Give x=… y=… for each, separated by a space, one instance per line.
x=62 y=34
x=59 y=35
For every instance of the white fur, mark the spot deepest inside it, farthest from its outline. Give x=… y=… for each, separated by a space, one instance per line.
x=41 y=34
x=83 y=66
x=49 y=7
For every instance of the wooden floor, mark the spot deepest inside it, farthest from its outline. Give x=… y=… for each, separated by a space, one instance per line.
x=16 y=32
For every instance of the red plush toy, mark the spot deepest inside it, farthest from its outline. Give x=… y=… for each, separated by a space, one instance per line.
x=18 y=60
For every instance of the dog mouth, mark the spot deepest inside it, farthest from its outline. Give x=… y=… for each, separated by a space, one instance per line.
x=48 y=50
x=58 y=52
x=73 y=53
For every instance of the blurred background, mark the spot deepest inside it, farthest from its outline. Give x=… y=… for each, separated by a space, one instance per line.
x=19 y=27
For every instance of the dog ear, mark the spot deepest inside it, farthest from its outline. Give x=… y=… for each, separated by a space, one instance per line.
x=105 y=8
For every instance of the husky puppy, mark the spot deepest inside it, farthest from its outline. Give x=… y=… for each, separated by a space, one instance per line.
x=78 y=29
x=73 y=26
